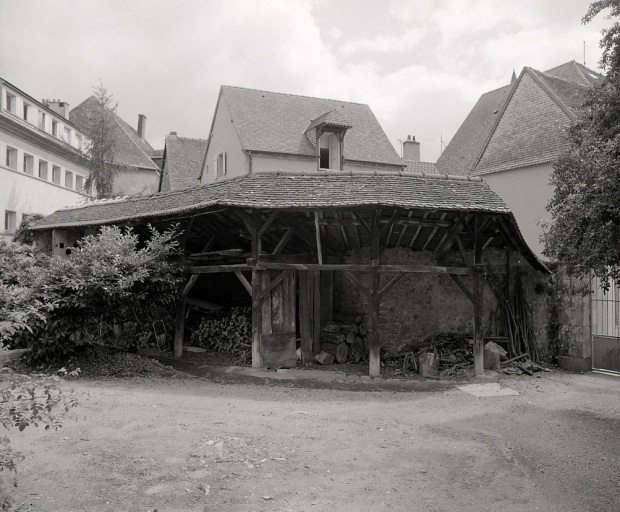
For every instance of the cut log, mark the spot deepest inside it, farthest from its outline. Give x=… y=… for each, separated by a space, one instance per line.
x=331 y=327
x=324 y=358
x=330 y=337
x=358 y=350
x=342 y=352
x=429 y=364
x=361 y=330
x=350 y=338
x=330 y=348
x=491 y=359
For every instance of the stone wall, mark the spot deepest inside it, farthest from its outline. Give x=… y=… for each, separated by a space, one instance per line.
x=424 y=304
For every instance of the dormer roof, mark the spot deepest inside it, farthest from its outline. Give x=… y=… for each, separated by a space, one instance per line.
x=278 y=123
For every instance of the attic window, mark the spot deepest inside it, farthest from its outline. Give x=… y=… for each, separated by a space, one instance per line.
x=329 y=152
x=219 y=165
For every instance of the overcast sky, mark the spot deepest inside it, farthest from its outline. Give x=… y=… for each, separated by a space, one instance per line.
x=420 y=64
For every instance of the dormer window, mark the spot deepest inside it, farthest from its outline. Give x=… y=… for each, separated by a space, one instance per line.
x=326 y=133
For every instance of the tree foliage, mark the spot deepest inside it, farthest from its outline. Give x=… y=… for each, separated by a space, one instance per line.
x=101 y=129
x=585 y=230
x=111 y=282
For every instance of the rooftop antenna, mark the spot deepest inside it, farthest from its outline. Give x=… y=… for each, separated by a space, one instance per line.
x=584 y=52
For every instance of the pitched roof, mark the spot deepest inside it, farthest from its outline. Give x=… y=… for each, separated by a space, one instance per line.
x=574 y=72
x=130 y=150
x=531 y=127
x=417 y=166
x=462 y=152
x=182 y=162
x=276 y=123
x=276 y=190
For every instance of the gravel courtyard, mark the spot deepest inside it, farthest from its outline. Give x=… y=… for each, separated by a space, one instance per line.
x=191 y=444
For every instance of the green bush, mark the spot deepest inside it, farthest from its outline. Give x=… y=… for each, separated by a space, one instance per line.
x=110 y=283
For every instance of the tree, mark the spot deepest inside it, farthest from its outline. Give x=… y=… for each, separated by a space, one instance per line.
x=584 y=234
x=101 y=129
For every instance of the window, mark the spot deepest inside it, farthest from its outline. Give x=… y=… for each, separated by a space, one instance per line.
x=26 y=111
x=219 y=164
x=56 y=174
x=329 y=151
x=28 y=164
x=43 y=169
x=54 y=128
x=67 y=135
x=11 y=103
x=79 y=183
x=42 y=120
x=11 y=157
x=10 y=221
x=68 y=179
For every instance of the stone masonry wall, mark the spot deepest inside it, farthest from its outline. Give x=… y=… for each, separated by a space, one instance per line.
x=424 y=304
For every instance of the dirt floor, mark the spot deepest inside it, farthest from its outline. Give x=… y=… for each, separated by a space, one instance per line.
x=192 y=444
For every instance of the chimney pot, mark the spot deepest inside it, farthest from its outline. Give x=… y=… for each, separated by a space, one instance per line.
x=141 y=125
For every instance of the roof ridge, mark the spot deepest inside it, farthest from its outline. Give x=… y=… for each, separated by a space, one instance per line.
x=554 y=77
x=293 y=95
x=361 y=172
x=534 y=73
x=187 y=138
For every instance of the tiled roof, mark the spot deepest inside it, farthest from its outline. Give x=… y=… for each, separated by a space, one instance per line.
x=275 y=123
x=130 y=149
x=463 y=151
x=532 y=126
x=182 y=163
x=417 y=166
x=274 y=190
x=577 y=73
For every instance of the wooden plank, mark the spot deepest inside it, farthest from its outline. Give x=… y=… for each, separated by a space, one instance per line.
x=278 y=302
x=461 y=284
x=292 y=301
x=327 y=297
x=374 y=360
x=318 y=238
x=433 y=232
x=218 y=269
x=316 y=318
x=179 y=328
x=362 y=222
x=404 y=230
x=417 y=231
x=266 y=306
x=388 y=226
x=278 y=350
x=478 y=340
x=189 y=285
x=305 y=317
x=462 y=250
x=275 y=282
x=352 y=267
x=256 y=318
x=244 y=282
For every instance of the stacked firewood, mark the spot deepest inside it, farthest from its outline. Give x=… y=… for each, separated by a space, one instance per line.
x=343 y=342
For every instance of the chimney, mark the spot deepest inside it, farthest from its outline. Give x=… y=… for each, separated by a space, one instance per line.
x=411 y=149
x=60 y=107
x=141 y=125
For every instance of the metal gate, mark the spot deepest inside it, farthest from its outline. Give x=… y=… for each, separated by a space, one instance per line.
x=605 y=327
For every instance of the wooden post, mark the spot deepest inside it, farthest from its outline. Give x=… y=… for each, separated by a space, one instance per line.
x=374 y=366
x=257 y=314
x=478 y=292
x=305 y=316
x=316 y=312
x=374 y=361
x=179 y=328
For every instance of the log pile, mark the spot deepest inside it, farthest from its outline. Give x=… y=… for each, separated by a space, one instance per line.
x=227 y=331
x=343 y=343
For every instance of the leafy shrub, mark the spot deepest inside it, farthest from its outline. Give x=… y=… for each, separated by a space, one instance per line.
x=109 y=283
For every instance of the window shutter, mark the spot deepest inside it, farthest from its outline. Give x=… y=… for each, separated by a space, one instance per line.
x=224 y=162
x=215 y=167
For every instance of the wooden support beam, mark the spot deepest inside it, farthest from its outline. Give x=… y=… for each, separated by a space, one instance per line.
x=353 y=267
x=404 y=230
x=432 y=235
x=461 y=284
x=343 y=232
x=257 y=315
x=462 y=250
x=362 y=222
x=357 y=283
x=417 y=231
x=284 y=240
x=388 y=226
x=465 y=222
x=478 y=293
x=189 y=285
x=306 y=305
x=218 y=269
x=374 y=301
x=505 y=230
x=488 y=242
x=283 y=275
x=270 y=220
x=244 y=282
x=318 y=238
x=179 y=326
x=316 y=318
x=391 y=284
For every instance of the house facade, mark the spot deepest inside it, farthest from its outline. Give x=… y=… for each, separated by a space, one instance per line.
x=181 y=162
x=258 y=130
x=138 y=159
x=42 y=167
x=510 y=139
